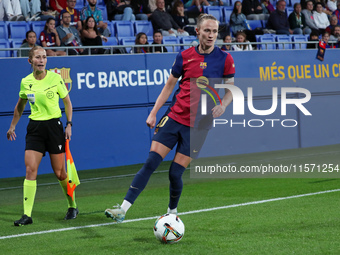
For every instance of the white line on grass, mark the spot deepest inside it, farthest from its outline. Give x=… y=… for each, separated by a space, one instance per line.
x=183 y=213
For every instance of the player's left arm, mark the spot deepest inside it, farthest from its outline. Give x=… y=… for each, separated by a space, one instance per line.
x=69 y=113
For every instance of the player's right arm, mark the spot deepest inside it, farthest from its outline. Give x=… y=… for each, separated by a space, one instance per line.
x=18 y=110
x=162 y=98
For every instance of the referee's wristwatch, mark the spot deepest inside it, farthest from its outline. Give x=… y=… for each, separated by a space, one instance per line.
x=69 y=122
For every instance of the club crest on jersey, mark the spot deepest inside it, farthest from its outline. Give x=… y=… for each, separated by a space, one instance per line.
x=65 y=74
x=203 y=65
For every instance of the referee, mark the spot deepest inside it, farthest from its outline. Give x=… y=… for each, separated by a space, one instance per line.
x=45 y=131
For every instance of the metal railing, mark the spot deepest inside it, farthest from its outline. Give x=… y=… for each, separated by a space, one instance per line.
x=112 y=49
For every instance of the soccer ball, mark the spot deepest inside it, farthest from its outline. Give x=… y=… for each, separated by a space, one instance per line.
x=169 y=228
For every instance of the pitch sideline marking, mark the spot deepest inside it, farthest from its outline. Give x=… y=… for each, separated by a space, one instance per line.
x=183 y=213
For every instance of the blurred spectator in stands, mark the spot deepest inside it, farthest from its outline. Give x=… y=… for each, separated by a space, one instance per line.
x=75 y=14
x=278 y=20
x=158 y=39
x=253 y=10
x=92 y=10
x=29 y=42
x=69 y=35
x=325 y=39
x=320 y=18
x=238 y=22
x=331 y=5
x=10 y=10
x=31 y=9
x=308 y=12
x=227 y=39
x=324 y=5
x=141 y=9
x=337 y=11
x=152 y=5
x=141 y=39
x=50 y=38
x=267 y=7
x=58 y=5
x=119 y=10
x=241 y=38
x=333 y=23
x=91 y=37
x=313 y=37
x=297 y=21
x=180 y=18
x=163 y=21
x=219 y=2
x=188 y=4
x=335 y=36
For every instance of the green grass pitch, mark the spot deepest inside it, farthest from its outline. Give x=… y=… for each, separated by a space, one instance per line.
x=306 y=224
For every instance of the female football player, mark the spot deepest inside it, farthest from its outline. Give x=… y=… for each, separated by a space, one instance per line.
x=203 y=61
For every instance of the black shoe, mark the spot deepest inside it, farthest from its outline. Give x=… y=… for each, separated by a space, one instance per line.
x=25 y=220
x=71 y=213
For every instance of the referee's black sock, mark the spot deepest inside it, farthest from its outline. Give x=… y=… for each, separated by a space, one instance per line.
x=143 y=176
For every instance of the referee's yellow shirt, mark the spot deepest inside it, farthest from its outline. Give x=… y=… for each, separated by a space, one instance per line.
x=43 y=95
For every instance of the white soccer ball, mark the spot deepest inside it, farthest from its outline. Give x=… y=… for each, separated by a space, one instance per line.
x=169 y=228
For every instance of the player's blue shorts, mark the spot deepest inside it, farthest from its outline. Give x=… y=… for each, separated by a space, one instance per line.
x=169 y=133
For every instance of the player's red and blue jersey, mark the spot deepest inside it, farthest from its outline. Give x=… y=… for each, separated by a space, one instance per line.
x=49 y=38
x=191 y=64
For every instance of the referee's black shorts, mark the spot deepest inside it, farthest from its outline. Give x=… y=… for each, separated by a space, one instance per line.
x=46 y=135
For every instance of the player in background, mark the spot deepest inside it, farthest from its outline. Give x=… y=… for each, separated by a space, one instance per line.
x=45 y=131
x=205 y=60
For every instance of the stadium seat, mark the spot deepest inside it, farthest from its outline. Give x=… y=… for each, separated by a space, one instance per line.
x=216 y=11
x=112 y=27
x=187 y=40
x=266 y=38
x=3 y=30
x=104 y=11
x=79 y=5
x=143 y=26
x=4 y=44
x=254 y=23
x=299 y=38
x=292 y=2
x=171 y=40
x=18 y=29
x=15 y=43
x=38 y=27
x=226 y=15
x=286 y=39
x=111 y=41
x=127 y=41
x=124 y=29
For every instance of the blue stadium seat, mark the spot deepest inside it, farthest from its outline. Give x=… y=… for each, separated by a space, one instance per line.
x=216 y=11
x=292 y=2
x=79 y=5
x=4 y=44
x=187 y=40
x=3 y=30
x=38 y=27
x=124 y=29
x=286 y=39
x=127 y=41
x=143 y=26
x=254 y=23
x=112 y=27
x=299 y=38
x=104 y=11
x=226 y=15
x=111 y=41
x=15 y=43
x=18 y=29
x=171 y=40
x=266 y=38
